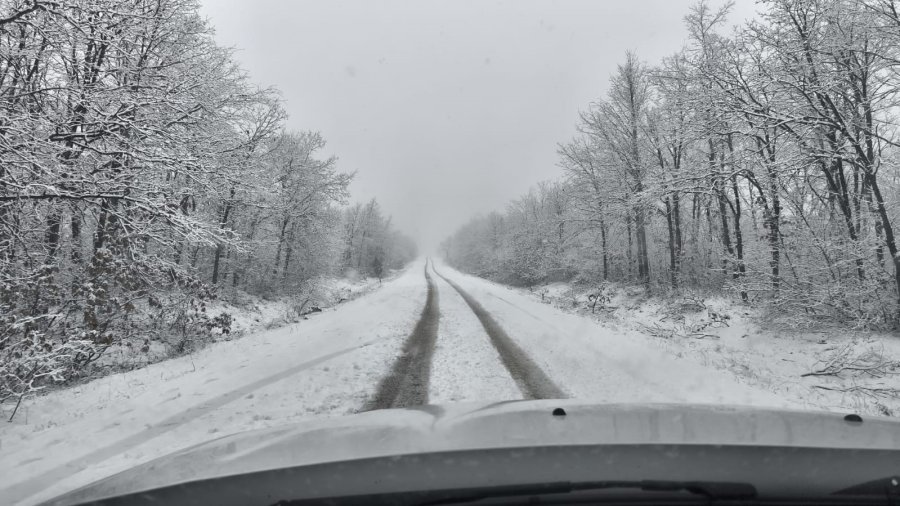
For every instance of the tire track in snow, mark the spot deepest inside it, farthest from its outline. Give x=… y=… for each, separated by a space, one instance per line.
x=465 y=366
x=531 y=379
x=406 y=384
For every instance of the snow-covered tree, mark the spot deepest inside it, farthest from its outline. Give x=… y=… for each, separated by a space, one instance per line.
x=771 y=154
x=142 y=173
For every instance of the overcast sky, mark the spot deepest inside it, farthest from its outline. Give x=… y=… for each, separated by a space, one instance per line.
x=445 y=109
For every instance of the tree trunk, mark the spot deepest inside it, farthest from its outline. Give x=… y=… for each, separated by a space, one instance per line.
x=838 y=189
x=726 y=232
x=740 y=267
x=6 y=243
x=774 y=228
x=628 y=256
x=603 y=245
x=643 y=257
x=718 y=184
x=220 y=248
x=52 y=235
x=194 y=256
x=102 y=217
x=738 y=237
x=75 y=253
x=288 y=253
x=889 y=240
x=673 y=276
x=217 y=258
x=281 y=233
x=679 y=241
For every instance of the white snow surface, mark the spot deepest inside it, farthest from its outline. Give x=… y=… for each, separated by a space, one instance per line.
x=329 y=366
x=465 y=366
x=748 y=348
x=593 y=361
x=72 y=437
x=772 y=356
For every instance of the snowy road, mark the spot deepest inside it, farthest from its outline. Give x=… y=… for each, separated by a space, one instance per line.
x=430 y=335
x=464 y=357
x=532 y=380
x=407 y=382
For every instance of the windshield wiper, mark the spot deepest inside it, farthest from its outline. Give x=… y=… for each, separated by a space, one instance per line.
x=709 y=489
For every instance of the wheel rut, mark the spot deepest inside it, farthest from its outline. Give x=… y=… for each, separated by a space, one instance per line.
x=530 y=378
x=406 y=384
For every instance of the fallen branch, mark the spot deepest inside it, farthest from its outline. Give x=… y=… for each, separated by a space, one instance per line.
x=870 y=363
x=699 y=335
x=657 y=331
x=873 y=392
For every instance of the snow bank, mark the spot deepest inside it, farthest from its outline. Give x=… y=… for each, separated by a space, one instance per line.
x=719 y=333
x=245 y=313
x=325 y=365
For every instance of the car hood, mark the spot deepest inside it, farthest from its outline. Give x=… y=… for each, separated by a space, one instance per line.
x=437 y=428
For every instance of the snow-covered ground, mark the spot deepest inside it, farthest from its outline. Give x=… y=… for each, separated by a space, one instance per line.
x=593 y=361
x=326 y=365
x=725 y=335
x=464 y=357
x=330 y=364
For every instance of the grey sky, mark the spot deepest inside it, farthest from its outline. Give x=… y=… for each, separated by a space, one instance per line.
x=445 y=109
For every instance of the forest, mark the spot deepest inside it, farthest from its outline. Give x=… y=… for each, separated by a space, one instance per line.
x=760 y=161
x=142 y=174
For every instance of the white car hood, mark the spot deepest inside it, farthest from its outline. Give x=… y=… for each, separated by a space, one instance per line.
x=437 y=428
